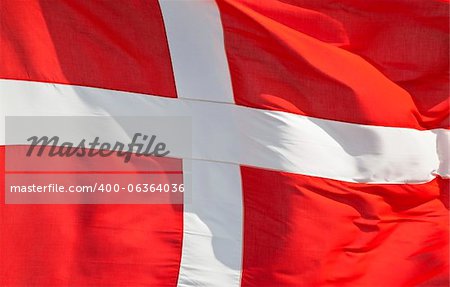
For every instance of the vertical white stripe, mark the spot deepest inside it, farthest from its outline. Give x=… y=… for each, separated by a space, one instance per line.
x=212 y=239
x=196 y=44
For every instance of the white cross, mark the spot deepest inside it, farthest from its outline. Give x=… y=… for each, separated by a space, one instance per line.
x=226 y=136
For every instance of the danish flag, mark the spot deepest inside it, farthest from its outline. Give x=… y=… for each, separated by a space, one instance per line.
x=320 y=135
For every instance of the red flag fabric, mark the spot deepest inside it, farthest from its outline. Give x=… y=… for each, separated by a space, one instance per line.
x=320 y=134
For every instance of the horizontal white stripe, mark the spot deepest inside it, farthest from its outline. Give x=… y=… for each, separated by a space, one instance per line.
x=253 y=137
x=443 y=149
